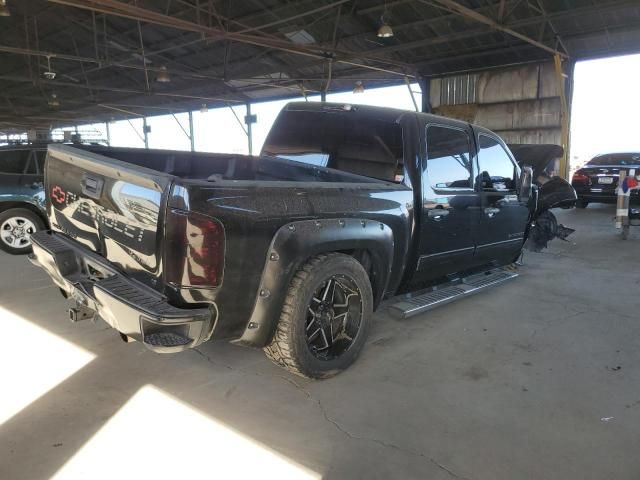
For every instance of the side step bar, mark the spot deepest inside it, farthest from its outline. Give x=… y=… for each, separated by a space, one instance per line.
x=408 y=307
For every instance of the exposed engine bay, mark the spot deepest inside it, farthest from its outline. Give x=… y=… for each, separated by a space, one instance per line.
x=552 y=191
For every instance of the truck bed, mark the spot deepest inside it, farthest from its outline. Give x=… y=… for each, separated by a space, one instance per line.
x=126 y=205
x=218 y=167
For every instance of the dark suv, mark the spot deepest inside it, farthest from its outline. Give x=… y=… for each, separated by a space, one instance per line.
x=597 y=181
x=22 y=211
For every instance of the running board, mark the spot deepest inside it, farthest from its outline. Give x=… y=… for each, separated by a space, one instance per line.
x=408 y=307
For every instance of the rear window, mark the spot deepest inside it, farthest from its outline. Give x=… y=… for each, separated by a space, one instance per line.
x=616 y=159
x=13 y=161
x=344 y=141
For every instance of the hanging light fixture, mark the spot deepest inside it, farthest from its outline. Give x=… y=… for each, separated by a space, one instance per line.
x=204 y=108
x=359 y=87
x=163 y=75
x=385 y=31
x=4 y=10
x=49 y=74
x=53 y=101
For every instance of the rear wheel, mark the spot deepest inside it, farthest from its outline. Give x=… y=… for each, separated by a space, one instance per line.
x=325 y=318
x=16 y=227
x=581 y=203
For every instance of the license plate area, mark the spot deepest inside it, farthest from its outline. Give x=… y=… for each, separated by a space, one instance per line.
x=605 y=180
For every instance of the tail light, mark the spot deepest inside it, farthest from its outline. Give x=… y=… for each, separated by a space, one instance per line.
x=194 y=250
x=580 y=176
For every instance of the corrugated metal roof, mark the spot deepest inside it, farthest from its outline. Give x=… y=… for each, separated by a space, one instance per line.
x=218 y=51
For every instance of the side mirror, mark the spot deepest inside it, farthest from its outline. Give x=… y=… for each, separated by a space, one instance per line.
x=526 y=184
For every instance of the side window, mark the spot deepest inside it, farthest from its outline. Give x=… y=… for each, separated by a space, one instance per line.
x=31 y=164
x=41 y=155
x=448 y=159
x=497 y=171
x=13 y=161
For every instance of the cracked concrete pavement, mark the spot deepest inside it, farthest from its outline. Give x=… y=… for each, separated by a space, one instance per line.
x=539 y=378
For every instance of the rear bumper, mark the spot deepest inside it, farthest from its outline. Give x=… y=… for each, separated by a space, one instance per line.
x=128 y=306
x=605 y=196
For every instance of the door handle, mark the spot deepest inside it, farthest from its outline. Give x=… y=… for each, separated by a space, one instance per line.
x=491 y=211
x=438 y=213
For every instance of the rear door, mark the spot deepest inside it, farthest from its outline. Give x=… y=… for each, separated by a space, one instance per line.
x=111 y=207
x=450 y=203
x=504 y=217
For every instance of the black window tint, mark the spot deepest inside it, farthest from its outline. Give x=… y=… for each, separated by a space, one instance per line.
x=13 y=161
x=364 y=146
x=448 y=158
x=41 y=155
x=497 y=171
x=621 y=159
x=31 y=164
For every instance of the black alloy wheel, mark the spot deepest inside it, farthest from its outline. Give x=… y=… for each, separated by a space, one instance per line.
x=334 y=317
x=325 y=318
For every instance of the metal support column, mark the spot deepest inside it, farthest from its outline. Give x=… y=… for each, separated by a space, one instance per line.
x=323 y=96
x=564 y=117
x=145 y=130
x=191 y=137
x=108 y=134
x=413 y=97
x=249 y=120
x=425 y=86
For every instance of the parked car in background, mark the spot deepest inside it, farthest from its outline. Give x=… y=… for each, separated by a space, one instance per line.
x=22 y=209
x=597 y=181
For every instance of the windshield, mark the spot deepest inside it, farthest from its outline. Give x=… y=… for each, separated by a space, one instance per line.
x=616 y=159
x=344 y=141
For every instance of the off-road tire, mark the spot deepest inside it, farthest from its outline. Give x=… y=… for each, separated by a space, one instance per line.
x=289 y=348
x=21 y=213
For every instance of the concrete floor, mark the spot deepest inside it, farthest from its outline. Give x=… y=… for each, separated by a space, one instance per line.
x=539 y=378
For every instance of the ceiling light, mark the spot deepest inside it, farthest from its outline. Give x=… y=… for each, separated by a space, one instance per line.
x=49 y=74
x=163 y=75
x=385 y=31
x=54 y=102
x=301 y=37
x=204 y=108
x=359 y=88
x=4 y=10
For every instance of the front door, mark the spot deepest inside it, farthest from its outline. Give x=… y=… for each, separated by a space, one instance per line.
x=504 y=217
x=450 y=204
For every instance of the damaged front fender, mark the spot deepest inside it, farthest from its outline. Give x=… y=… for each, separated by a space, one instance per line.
x=555 y=193
x=551 y=192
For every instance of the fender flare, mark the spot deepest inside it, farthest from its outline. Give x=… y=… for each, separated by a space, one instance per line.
x=296 y=242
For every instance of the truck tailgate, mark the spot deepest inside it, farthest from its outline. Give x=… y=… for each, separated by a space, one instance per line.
x=114 y=208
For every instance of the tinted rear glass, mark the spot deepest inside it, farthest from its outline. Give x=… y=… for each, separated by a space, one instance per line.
x=616 y=159
x=13 y=161
x=364 y=146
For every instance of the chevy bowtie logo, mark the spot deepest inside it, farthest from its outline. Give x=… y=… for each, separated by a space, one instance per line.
x=58 y=194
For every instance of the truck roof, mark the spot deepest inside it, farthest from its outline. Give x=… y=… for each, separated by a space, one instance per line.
x=382 y=113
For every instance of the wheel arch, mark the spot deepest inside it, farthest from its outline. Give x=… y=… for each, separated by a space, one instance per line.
x=4 y=206
x=368 y=241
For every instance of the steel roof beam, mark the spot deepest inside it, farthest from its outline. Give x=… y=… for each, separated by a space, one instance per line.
x=474 y=15
x=117 y=8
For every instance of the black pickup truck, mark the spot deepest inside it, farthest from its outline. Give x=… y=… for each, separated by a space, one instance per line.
x=293 y=250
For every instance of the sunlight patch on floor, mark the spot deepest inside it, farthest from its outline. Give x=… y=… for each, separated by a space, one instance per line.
x=33 y=362
x=155 y=435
